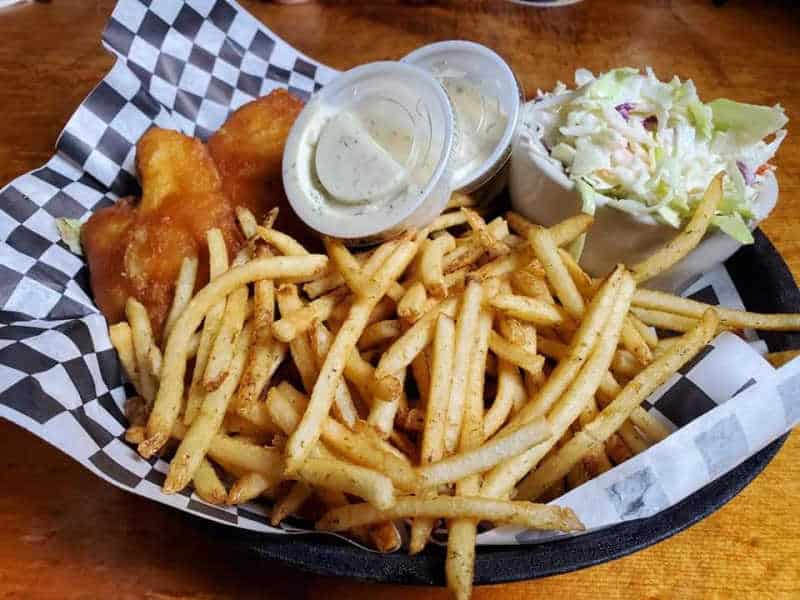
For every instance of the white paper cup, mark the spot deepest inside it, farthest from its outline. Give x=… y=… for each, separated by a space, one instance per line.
x=541 y=192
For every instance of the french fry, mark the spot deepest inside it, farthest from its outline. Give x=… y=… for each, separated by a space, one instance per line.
x=343 y=404
x=168 y=401
x=615 y=414
x=122 y=340
x=208 y=485
x=484 y=457
x=664 y=320
x=634 y=343
x=460 y=559
x=184 y=288
x=510 y=392
x=400 y=354
x=412 y=305
x=135 y=434
x=142 y=336
x=222 y=349
x=562 y=233
x=648 y=333
x=577 y=476
x=448 y=220
x=346 y=264
x=469 y=252
x=732 y=319
x=290 y=503
x=625 y=364
x=379 y=333
x=525 y=514
x=633 y=439
x=365 y=483
x=564 y=395
x=307 y=433
x=236 y=453
x=524 y=335
x=532 y=363
x=197 y=440
x=616 y=449
x=458 y=199
x=299 y=321
x=385 y=537
x=455 y=281
x=528 y=283
x=360 y=450
x=431 y=265
x=654 y=429
x=595 y=462
x=247 y=221
x=432 y=445
x=585 y=284
x=465 y=334
x=532 y=310
x=265 y=354
x=493 y=245
x=385 y=406
x=300 y=347
x=361 y=374
x=283 y=243
x=366 y=430
x=546 y=251
x=420 y=369
x=519 y=258
x=351 y=271
x=692 y=234
x=218 y=264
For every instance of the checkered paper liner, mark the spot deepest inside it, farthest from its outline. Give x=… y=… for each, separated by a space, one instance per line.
x=187 y=66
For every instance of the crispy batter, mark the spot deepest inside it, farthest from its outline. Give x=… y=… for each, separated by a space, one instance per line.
x=248 y=151
x=172 y=164
x=137 y=250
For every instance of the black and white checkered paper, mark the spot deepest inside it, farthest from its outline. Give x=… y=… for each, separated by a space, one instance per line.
x=187 y=66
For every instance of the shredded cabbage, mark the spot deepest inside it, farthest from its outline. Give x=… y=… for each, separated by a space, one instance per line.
x=644 y=146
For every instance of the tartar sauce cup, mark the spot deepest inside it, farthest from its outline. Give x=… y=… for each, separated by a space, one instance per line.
x=370 y=154
x=487 y=100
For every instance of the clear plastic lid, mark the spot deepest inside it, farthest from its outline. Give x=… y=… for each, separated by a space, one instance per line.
x=486 y=101
x=370 y=152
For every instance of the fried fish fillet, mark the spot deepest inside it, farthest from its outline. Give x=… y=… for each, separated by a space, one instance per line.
x=172 y=164
x=137 y=249
x=248 y=151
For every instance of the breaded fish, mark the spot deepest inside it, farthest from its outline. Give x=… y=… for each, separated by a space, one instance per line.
x=171 y=164
x=137 y=250
x=248 y=151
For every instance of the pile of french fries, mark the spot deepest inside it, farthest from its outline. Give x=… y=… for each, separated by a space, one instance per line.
x=439 y=376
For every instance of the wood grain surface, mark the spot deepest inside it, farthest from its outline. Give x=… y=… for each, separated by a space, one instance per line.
x=66 y=534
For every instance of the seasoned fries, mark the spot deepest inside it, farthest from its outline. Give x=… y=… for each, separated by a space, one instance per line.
x=444 y=376
x=685 y=241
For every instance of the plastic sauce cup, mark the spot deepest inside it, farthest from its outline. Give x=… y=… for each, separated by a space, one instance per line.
x=370 y=154
x=486 y=99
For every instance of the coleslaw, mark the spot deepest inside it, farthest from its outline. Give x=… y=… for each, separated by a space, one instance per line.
x=646 y=147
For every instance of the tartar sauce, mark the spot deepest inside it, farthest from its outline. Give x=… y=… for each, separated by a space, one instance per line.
x=480 y=120
x=486 y=103
x=369 y=153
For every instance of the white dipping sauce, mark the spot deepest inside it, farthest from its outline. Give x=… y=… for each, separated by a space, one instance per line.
x=369 y=153
x=480 y=120
x=486 y=102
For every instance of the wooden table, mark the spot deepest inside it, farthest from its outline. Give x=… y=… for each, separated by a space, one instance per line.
x=66 y=534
